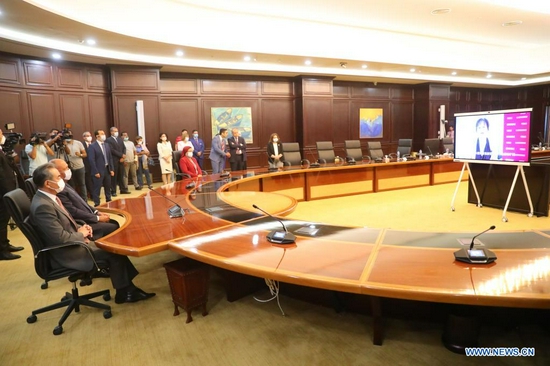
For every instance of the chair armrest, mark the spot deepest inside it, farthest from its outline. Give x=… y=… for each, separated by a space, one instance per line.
x=67 y=245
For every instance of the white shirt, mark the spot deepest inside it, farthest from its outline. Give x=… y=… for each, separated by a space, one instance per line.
x=40 y=159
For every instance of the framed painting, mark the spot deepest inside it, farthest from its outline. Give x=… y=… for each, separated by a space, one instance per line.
x=230 y=118
x=371 y=123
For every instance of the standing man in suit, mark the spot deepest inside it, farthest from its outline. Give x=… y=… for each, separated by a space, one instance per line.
x=101 y=167
x=87 y=141
x=7 y=184
x=118 y=151
x=56 y=226
x=219 y=151
x=79 y=209
x=198 y=148
x=237 y=149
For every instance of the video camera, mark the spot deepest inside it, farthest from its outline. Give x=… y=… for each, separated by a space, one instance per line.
x=38 y=138
x=12 y=139
x=65 y=134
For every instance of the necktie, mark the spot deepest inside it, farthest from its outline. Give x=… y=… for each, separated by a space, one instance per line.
x=104 y=155
x=68 y=214
x=223 y=144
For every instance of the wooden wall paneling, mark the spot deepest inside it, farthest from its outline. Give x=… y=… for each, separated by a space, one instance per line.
x=371 y=91
x=316 y=86
x=97 y=80
x=11 y=110
x=277 y=116
x=179 y=86
x=70 y=77
x=126 y=118
x=100 y=113
x=229 y=87
x=177 y=114
x=401 y=93
x=38 y=74
x=280 y=88
x=340 y=91
x=42 y=111
x=133 y=79
x=402 y=115
x=317 y=121
x=208 y=104
x=342 y=125
x=10 y=71
x=73 y=111
x=386 y=110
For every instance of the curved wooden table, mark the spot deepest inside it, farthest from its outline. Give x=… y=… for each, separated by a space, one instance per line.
x=225 y=231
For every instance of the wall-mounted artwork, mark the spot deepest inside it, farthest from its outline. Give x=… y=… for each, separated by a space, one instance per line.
x=233 y=117
x=371 y=123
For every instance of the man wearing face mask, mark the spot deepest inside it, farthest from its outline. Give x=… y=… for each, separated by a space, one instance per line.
x=198 y=147
x=79 y=209
x=237 y=149
x=75 y=152
x=7 y=184
x=56 y=226
x=87 y=141
x=101 y=167
x=118 y=151
x=130 y=162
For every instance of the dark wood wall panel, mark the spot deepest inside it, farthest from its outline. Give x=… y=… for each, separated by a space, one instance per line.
x=71 y=77
x=11 y=110
x=224 y=87
x=42 y=111
x=38 y=73
x=73 y=111
x=126 y=118
x=283 y=88
x=177 y=114
x=99 y=111
x=343 y=128
x=98 y=80
x=402 y=114
x=10 y=71
x=137 y=79
x=374 y=92
x=317 y=120
x=184 y=86
x=277 y=117
x=317 y=87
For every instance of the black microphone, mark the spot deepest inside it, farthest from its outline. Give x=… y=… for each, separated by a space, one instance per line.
x=174 y=211
x=278 y=237
x=483 y=232
x=430 y=150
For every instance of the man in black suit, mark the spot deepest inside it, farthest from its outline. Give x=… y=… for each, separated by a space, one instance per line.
x=118 y=152
x=56 y=227
x=101 y=167
x=87 y=141
x=237 y=149
x=79 y=209
x=7 y=184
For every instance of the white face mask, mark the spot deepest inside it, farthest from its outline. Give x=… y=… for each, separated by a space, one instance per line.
x=163 y=138
x=190 y=154
x=88 y=138
x=68 y=174
x=275 y=139
x=115 y=134
x=102 y=138
x=60 y=186
x=186 y=139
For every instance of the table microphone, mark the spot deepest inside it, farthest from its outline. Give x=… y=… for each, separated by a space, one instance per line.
x=430 y=150
x=483 y=232
x=476 y=256
x=174 y=211
x=278 y=237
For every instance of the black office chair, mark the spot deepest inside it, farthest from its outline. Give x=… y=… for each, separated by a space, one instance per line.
x=176 y=156
x=18 y=205
x=375 y=150
x=325 y=151
x=353 y=150
x=404 y=147
x=30 y=187
x=291 y=154
x=448 y=144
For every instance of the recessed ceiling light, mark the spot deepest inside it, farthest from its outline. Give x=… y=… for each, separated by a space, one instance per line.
x=512 y=23
x=247 y=58
x=307 y=62
x=179 y=53
x=364 y=66
x=56 y=56
x=489 y=76
x=440 y=11
x=523 y=78
x=412 y=69
x=453 y=73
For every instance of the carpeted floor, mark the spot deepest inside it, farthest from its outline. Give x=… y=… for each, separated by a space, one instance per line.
x=244 y=332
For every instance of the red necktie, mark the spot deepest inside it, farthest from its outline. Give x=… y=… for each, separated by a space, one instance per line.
x=67 y=212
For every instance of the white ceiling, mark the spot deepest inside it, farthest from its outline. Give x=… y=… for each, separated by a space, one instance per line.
x=389 y=37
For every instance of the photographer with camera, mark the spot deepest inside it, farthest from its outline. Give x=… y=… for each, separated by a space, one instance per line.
x=38 y=151
x=75 y=152
x=8 y=182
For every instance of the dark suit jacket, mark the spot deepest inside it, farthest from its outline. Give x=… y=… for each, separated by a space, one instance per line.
x=96 y=159
x=234 y=144
x=85 y=160
x=117 y=147
x=55 y=228
x=7 y=179
x=198 y=146
x=77 y=207
x=271 y=151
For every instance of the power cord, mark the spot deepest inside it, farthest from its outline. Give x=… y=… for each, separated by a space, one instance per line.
x=274 y=290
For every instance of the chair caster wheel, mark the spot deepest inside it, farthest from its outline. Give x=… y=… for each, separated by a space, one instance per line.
x=107 y=297
x=530 y=214
x=453 y=208
x=107 y=314
x=504 y=219
x=64 y=298
x=44 y=286
x=31 y=319
x=58 y=330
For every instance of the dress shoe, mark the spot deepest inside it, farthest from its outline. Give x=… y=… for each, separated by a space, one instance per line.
x=139 y=188
x=151 y=187
x=125 y=192
x=133 y=295
x=12 y=249
x=6 y=256
x=113 y=194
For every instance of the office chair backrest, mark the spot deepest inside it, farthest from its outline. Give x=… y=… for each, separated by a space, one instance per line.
x=291 y=152
x=325 y=151
x=448 y=144
x=353 y=149
x=176 y=156
x=404 y=146
x=375 y=150
x=30 y=187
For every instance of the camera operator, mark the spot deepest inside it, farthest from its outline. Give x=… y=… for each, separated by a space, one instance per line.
x=38 y=151
x=54 y=142
x=8 y=183
x=74 y=151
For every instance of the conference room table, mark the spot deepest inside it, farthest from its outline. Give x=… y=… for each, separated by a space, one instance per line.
x=223 y=229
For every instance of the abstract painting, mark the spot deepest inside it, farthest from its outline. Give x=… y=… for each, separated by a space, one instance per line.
x=233 y=117
x=371 y=124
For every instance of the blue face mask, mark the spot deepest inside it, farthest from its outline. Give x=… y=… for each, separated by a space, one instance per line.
x=195 y=135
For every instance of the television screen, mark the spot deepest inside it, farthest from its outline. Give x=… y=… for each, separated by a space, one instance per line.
x=493 y=137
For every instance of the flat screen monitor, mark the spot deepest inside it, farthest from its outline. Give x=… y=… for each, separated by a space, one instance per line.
x=431 y=146
x=501 y=137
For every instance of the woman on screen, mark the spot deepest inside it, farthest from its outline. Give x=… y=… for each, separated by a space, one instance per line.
x=483 y=146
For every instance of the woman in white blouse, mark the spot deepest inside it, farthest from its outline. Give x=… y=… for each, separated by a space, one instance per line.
x=164 y=148
x=183 y=142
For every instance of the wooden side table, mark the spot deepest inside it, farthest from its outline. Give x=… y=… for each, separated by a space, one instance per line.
x=188 y=281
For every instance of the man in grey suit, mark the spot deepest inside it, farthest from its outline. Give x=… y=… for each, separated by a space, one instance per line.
x=101 y=223
x=218 y=151
x=56 y=226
